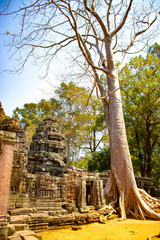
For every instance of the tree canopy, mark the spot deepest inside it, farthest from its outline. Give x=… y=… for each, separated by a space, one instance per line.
x=81 y=118
x=141 y=96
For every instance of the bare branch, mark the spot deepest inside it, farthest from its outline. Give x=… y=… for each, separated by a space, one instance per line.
x=123 y=21
x=100 y=140
x=121 y=67
x=19 y=10
x=108 y=14
x=69 y=40
x=101 y=23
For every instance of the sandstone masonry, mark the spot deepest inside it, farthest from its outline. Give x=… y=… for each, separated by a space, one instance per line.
x=44 y=192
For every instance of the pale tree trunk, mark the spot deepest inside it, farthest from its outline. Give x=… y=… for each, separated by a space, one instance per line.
x=122 y=185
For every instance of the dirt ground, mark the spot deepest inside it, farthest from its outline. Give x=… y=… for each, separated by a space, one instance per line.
x=116 y=229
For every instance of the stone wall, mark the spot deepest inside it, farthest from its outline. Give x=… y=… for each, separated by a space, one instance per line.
x=40 y=178
x=44 y=192
x=19 y=184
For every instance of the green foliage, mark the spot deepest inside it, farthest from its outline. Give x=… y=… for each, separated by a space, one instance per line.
x=31 y=114
x=100 y=160
x=81 y=118
x=82 y=162
x=141 y=97
x=156 y=165
x=155 y=49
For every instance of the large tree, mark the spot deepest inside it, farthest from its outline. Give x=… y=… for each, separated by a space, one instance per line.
x=99 y=29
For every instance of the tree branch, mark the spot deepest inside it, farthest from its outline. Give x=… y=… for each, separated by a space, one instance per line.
x=123 y=21
x=121 y=67
x=105 y=32
x=108 y=14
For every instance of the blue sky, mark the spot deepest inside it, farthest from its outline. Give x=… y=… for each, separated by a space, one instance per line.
x=18 y=89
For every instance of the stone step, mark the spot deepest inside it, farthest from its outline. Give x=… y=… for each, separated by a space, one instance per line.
x=49 y=208
x=19 y=219
x=20 y=211
x=56 y=213
x=21 y=226
x=47 y=202
x=38 y=221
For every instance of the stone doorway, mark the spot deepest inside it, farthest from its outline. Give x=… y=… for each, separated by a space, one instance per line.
x=89 y=193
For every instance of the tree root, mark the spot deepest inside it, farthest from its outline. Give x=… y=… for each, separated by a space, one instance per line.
x=144 y=206
x=155 y=236
x=132 y=200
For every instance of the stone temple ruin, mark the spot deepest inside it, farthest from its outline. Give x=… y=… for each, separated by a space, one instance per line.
x=42 y=182
x=44 y=192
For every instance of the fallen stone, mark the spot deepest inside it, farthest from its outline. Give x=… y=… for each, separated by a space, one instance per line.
x=3 y=232
x=84 y=210
x=102 y=219
x=80 y=218
x=75 y=228
x=29 y=238
x=15 y=236
x=93 y=217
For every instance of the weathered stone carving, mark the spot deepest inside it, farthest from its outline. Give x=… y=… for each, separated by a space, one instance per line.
x=47 y=150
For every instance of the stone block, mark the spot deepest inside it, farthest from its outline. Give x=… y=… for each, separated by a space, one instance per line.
x=20 y=227
x=20 y=211
x=20 y=219
x=15 y=236
x=80 y=218
x=93 y=217
x=11 y=229
x=3 y=233
x=39 y=216
x=29 y=238
x=66 y=219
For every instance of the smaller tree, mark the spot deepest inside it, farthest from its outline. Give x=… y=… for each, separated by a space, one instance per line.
x=97 y=128
x=32 y=113
x=82 y=119
x=141 y=108
x=100 y=161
